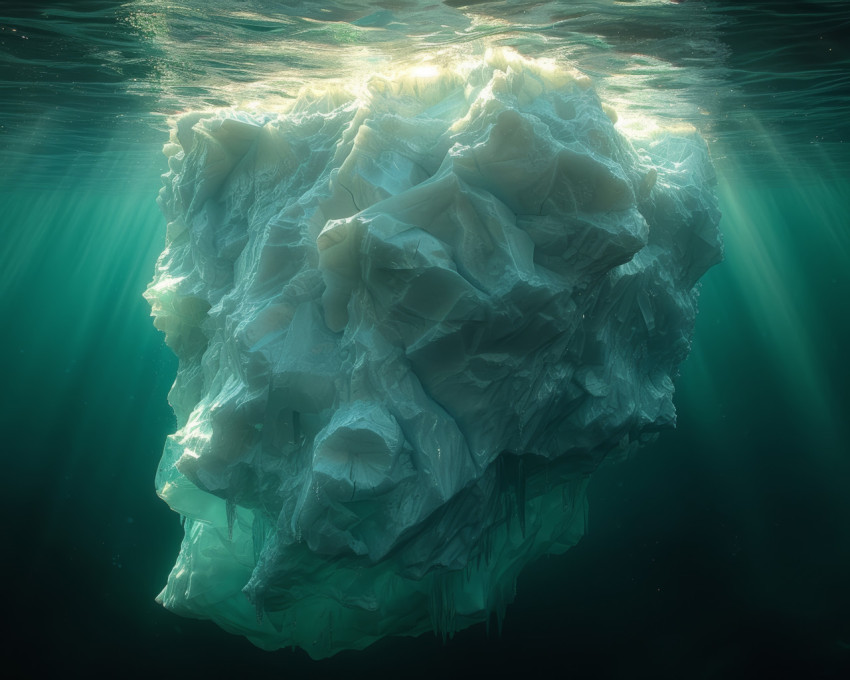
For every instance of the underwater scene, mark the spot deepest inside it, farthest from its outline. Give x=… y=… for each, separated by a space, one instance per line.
x=418 y=338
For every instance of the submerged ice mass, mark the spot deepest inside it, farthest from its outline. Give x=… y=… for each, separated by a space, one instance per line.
x=411 y=318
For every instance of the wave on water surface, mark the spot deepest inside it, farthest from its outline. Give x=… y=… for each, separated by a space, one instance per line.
x=80 y=80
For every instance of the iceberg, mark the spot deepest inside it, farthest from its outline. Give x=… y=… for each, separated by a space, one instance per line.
x=412 y=315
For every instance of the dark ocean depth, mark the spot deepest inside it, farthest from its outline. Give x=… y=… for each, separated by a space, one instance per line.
x=720 y=551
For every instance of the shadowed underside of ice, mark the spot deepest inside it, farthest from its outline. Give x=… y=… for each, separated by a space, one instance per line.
x=411 y=319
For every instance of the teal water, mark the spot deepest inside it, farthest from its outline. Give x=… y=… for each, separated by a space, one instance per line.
x=720 y=551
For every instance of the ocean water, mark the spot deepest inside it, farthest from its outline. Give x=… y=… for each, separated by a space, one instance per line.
x=720 y=551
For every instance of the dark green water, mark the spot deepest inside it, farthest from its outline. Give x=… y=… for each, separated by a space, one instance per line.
x=721 y=551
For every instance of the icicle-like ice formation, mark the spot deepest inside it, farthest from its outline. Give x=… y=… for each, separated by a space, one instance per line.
x=411 y=320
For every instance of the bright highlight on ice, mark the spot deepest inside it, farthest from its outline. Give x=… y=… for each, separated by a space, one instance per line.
x=411 y=322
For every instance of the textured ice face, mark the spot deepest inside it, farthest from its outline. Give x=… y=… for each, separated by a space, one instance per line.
x=410 y=321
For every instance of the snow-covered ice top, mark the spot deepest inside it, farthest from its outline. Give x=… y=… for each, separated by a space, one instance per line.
x=412 y=316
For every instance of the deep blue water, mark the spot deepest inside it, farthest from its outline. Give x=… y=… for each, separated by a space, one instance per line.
x=721 y=551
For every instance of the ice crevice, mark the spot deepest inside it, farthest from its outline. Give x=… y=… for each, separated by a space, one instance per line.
x=412 y=318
